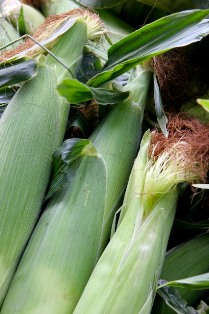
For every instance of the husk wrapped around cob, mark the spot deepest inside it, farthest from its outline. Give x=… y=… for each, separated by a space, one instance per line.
x=31 y=129
x=125 y=278
x=75 y=227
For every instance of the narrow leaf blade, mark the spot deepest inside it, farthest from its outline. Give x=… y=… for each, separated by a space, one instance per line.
x=193 y=283
x=21 y=22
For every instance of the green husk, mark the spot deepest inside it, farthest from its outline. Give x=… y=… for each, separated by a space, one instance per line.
x=75 y=227
x=28 y=131
x=31 y=128
x=126 y=276
x=113 y=288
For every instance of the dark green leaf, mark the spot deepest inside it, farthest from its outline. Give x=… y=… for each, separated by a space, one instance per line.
x=18 y=71
x=77 y=92
x=6 y=95
x=193 y=283
x=21 y=22
x=176 y=30
x=184 y=28
x=174 y=300
x=90 y=66
x=79 y=127
x=70 y=151
x=100 y=4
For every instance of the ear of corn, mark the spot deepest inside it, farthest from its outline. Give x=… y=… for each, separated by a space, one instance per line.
x=122 y=272
x=76 y=223
x=130 y=266
x=28 y=131
x=122 y=269
x=31 y=128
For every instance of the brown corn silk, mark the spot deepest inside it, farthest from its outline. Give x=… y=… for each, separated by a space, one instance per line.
x=187 y=136
x=180 y=78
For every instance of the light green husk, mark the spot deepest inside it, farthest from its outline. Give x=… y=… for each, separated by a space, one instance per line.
x=31 y=128
x=28 y=131
x=125 y=278
x=75 y=227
